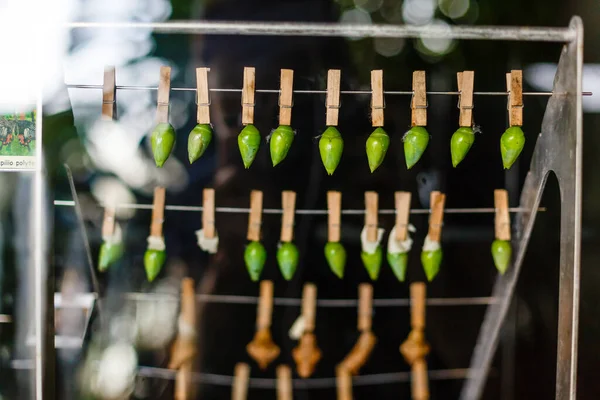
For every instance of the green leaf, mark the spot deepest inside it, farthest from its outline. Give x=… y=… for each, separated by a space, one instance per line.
x=511 y=145
x=461 y=142
x=372 y=262
x=109 y=254
x=162 y=141
x=335 y=254
x=398 y=262
x=248 y=142
x=280 y=143
x=153 y=263
x=198 y=141
x=415 y=143
x=287 y=258
x=431 y=261
x=377 y=146
x=331 y=146
x=501 y=253
x=255 y=257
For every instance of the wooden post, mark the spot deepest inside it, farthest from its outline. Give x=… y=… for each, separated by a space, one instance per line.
x=436 y=219
x=108 y=223
x=284 y=383
x=248 y=102
x=333 y=96
x=514 y=86
x=208 y=213
x=265 y=306
x=371 y=215
x=502 y=220
x=241 y=377
x=202 y=96
x=109 y=94
x=402 y=214
x=465 y=87
x=158 y=212
x=286 y=97
x=288 y=202
x=365 y=307
x=255 y=217
x=164 y=91
x=377 y=99
x=418 y=104
x=334 y=206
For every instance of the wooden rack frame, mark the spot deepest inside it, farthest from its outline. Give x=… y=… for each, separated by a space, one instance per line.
x=558 y=149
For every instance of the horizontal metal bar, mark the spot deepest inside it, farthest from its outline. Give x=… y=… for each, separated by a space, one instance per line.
x=535 y=34
x=310 y=383
x=238 y=210
x=326 y=303
x=360 y=92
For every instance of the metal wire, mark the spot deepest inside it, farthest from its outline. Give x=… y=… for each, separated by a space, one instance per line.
x=310 y=383
x=325 y=303
x=362 y=92
x=242 y=210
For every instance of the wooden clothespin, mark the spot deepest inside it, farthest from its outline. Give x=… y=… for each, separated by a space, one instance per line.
x=307 y=354
x=437 y=202
x=248 y=102
x=343 y=384
x=162 y=100
x=402 y=214
x=202 y=96
x=465 y=87
x=158 y=212
x=415 y=348
x=378 y=99
x=333 y=96
x=241 y=377
x=184 y=348
x=109 y=221
x=363 y=347
x=502 y=221
x=286 y=94
x=334 y=206
x=284 y=383
x=419 y=100
x=255 y=217
x=109 y=94
x=261 y=348
x=514 y=86
x=208 y=213
x=371 y=215
x=288 y=203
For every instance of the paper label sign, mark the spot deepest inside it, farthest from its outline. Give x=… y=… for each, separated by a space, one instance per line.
x=17 y=141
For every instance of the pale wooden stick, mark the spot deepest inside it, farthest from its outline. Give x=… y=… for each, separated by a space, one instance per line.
x=334 y=205
x=365 y=307
x=288 y=202
x=241 y=377
x=284 y=383
x=419 y=100
x=402 y=214
x=202 y=96
x=265 y=305
x=158 y=212
x=208 y=213
x=343 y=384
x=255 y=217
x=183 y=382
x=465 y=86
x=418 y=292
x=164 y=89
x=108 y=223
x=377 y=101
x=436 y=219
x=309 y=306
x=286 y=97
x=420 y=381
x=248 y=96
x=333 y=96
x=514 y=86
x=109 y=94
x=502 y=220
x=371 y=215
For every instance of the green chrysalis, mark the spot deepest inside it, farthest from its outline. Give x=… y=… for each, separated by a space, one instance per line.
x=255 y=257
x=511 y=145
x=501 y=253
x=109 y=254
x=415 y=143
x=331 y=146
x=198 y=141
x=398 y=262
x=431 y=261
x=248 y=142
x=461 y=142
x=280 y=143
x=377 y=146
x=335 y=254
x=287 y=259
x=162 y=141
x=153 y=262
x=372 y=262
